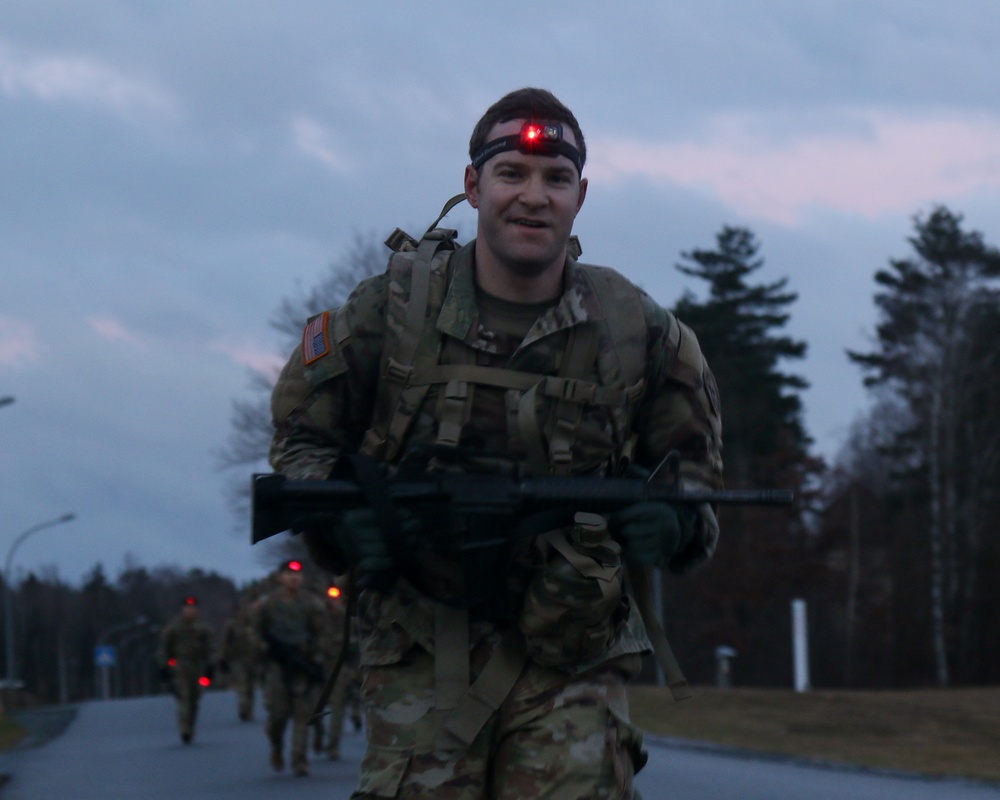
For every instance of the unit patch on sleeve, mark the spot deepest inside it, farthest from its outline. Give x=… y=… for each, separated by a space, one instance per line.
x=315 y=341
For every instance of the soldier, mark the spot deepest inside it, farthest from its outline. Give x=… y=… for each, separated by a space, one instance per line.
x=185 y=658
x=501 y=672
x=239 y=657
x=289 y=624
x=345 y=689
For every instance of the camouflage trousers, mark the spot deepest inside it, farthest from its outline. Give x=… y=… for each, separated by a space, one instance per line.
x=241 y=677
x=556 y=736
x=340 y=697
x=187 y=693
x=288 y=697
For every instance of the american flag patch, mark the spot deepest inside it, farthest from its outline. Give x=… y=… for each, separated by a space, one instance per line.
x=315 y=343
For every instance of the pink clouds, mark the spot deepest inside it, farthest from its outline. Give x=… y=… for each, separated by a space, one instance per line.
x=248 y=355
x=18 y=343
x=899 y=164
x=112 y=330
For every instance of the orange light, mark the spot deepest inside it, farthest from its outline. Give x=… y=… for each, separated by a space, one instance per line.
x=333 y=591
x=171 y=662
x=294 y=566
x=204 y=682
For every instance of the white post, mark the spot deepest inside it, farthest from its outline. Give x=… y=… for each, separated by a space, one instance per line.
x=800 y=645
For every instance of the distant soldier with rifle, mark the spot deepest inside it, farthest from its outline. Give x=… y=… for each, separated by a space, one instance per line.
x=185 y=659
x=497 y=625
x=289 y=624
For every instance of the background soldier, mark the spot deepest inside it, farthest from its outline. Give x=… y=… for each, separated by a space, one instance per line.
x=501 y=672
x=239 y=656
x=289 y=624
x=185 y=658
x=345 y=690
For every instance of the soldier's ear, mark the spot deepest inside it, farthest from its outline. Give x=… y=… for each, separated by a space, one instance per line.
x=472 y=186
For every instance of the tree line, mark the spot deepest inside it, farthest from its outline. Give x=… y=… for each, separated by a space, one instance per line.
x=57 y=628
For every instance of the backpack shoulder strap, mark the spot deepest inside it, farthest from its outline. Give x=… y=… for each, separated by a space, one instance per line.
x=418 y=281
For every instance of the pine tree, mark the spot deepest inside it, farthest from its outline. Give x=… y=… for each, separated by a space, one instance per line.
x=737 y=327
x=742 y=598
x=936 y=353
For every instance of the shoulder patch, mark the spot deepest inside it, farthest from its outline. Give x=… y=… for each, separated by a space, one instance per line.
x=315 y=338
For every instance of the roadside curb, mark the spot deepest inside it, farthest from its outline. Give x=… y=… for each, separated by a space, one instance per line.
x=731 y=751
x=43 y=724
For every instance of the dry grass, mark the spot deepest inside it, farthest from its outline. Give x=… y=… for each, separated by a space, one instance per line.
x=10 y=732
x=934 y=732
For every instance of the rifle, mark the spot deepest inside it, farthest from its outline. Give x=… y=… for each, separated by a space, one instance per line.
x=291 y=660
x=279 y=503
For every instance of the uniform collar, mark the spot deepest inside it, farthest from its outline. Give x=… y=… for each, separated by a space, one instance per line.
x=459 y=315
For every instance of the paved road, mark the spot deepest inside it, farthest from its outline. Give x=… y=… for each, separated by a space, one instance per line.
x=129 y=749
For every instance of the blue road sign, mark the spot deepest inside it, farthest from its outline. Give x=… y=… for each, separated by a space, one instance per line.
x=104 y=655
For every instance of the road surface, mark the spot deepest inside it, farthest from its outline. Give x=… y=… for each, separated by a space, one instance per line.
x=130 y=749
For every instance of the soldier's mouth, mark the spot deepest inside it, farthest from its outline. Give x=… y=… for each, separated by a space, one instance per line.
x=530 y=223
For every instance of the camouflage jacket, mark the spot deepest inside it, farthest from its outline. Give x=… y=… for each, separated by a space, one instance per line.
x=187 y=643
x=324 y=408
x=299 y=623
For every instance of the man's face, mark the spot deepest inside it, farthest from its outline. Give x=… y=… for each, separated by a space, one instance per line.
x=189 y=612
x=527 y=205
x=291 y=580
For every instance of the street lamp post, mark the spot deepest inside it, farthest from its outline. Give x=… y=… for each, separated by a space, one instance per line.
x=8 y=597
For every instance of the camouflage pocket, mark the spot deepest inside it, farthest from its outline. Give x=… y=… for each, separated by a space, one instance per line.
x=381 y=773
x=574 y=604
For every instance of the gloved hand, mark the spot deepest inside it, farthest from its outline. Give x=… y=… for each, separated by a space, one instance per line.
x=652 y=533
x=362 y=541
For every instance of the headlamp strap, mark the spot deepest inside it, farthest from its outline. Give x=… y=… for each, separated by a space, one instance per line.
x=534 y=138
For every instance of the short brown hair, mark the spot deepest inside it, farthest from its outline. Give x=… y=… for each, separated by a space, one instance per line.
x=527 y=103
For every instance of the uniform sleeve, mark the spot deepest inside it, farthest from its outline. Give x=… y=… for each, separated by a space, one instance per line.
x=322 y=401
x=681 y=411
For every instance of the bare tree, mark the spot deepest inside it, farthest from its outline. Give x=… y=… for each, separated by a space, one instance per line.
x=936 y=352
x=250 y=432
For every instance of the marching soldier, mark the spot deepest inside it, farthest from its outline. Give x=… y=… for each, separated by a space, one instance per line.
x=185 y=656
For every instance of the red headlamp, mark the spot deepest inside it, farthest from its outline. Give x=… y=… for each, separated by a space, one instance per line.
x=534 y=138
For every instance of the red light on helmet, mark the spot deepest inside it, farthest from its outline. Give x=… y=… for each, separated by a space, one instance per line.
x=171 y=662
x=333 y=592
x=294 y=566
x=204 y=682
x=190 y=601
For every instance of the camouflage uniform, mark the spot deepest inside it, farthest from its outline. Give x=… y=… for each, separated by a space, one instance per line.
x=345 y=689
x=240 y=654
x=297 y=624
x=186 y=652
x=562 y=730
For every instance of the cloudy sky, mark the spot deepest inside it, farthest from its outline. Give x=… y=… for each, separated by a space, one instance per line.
x=170 y=171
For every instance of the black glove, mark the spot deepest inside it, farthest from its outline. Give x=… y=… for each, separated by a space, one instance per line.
x=653 y=533
x=362 y=541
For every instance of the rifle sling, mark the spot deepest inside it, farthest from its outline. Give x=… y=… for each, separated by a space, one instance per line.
x=338 y=665
x=643 y=594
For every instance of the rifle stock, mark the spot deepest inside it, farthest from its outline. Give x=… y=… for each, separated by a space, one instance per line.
x=280 y=504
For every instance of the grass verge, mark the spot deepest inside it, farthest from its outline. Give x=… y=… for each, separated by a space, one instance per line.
x=932 y=732
x=10 y=732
